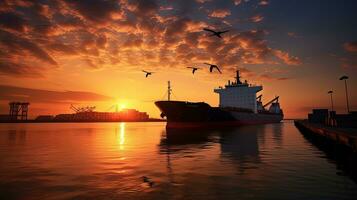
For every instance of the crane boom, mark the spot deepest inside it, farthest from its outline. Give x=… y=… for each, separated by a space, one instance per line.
x=270 y=102
x=82 y=109
x=74 y=108
x=259 y=98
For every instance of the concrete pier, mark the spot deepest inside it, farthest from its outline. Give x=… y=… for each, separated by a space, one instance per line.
x=341 y=136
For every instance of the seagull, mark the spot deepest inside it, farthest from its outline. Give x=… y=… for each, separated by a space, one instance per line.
x=211 y=67
x=193 y=69
x=148 y=181
x=147 y=73
x=215 y=33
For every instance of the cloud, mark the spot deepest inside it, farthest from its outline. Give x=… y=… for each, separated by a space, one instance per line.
x=12 y=21
x=270 y=77
x=220 y=13
x=144 y=7
x=100 y=34
x=63 y=48
x=286 y=58
x=68 y=20
x=95 y=10
x=348 y=63
x=263 y=2
x=237 y=2
x=257 y=18
x=350 y=46
x=165 y=8
x=14 y=93
x=92 y=64
x=19 y=70
x=293 y=35
x=11 y=41
x=133 y=41
x=203 y=1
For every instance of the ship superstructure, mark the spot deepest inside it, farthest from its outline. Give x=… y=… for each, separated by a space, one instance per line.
x=243 y=95
x=239 y=95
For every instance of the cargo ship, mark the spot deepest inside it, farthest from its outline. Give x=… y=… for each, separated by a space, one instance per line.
x=238 y=105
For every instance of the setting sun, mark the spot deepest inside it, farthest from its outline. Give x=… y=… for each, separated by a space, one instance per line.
x=122 y=106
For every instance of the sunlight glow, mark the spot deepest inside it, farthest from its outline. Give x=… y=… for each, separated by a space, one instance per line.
x=121 y=106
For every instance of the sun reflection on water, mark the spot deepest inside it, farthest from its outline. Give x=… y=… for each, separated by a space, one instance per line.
x=122 y=136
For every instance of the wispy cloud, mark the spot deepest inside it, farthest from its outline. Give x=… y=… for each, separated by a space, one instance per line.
x=257 y=18
x=350 y=46
x=287 y=58
x=10 y=93
x=263 y=2
x=220 y=13
x=270 y=77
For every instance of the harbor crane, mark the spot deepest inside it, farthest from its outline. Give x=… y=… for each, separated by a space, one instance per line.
x=82 y=109
x=259 y=98
x=275 y=100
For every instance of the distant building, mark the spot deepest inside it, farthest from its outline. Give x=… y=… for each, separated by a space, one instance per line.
x=44 y=118
x=124 y=115
x=5 y=118
x=319 y=116
x=323 y=116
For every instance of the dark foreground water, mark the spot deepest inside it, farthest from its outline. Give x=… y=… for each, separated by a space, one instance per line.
x=109 y=160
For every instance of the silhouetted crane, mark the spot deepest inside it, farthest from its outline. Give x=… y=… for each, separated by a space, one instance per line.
x=215 y=33
x=193 y=69
x=147 y=73
x=276 y=99
x=82 y=109
x=259 y=98
x=213 y=67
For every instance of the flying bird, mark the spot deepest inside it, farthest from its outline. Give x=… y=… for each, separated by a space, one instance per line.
x=215 y=33
x=148 y=181
x=211 y=67
x=147 y=73
x=193 y=69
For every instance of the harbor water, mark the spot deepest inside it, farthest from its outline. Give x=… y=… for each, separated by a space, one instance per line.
x=146 y=161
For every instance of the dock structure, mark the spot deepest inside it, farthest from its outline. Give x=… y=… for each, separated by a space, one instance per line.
x=18 y=110
x=346 y=137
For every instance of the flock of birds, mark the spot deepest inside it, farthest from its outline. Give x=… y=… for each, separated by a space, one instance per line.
x=194 y=69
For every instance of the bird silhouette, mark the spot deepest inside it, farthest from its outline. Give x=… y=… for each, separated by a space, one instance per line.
x=215 y=33
x=147 y=73
x=193 y=69
x=148 y=181
x=211 y=67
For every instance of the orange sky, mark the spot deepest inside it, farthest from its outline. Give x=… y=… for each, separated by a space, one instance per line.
x=98 y=51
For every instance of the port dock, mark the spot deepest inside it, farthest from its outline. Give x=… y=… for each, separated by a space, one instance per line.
x=346 y=137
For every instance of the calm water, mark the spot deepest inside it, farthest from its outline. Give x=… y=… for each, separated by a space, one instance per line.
x=109 y=160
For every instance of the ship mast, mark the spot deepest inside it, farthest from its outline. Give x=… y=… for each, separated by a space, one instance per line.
x=169 y=90
x=238 y=77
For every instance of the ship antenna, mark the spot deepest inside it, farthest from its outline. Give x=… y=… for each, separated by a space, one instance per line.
x=238 y=77
x=169 y=90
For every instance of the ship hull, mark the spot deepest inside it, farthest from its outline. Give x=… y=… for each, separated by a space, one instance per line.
x=181 y=114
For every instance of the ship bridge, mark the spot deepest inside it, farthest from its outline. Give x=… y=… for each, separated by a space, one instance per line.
x=238 y=94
